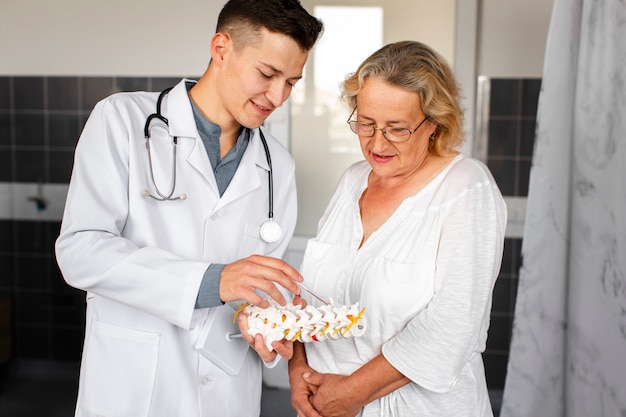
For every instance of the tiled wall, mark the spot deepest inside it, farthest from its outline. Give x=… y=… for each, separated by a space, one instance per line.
x=40 y=120
x=510 y=126
x=511 y=132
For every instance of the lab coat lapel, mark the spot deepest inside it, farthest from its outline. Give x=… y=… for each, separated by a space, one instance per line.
x=247 y=178
x=183 y=125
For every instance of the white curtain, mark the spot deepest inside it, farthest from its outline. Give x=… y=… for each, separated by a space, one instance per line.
x=568 y=351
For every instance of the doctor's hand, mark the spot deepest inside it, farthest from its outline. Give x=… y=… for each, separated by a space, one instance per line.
x=283 y=347
x=241 y=278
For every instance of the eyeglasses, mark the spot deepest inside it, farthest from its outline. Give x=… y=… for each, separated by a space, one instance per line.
x=392 y=134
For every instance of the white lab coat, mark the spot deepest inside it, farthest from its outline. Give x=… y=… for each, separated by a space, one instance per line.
x=141 y=261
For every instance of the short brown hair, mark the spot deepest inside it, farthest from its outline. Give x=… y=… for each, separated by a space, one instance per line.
x=242 y=20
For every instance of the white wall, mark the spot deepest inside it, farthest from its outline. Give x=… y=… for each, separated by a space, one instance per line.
x=512 y=37
x=112 y=37
x=143 y=37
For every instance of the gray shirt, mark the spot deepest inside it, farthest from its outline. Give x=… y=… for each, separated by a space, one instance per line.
x=224 y=170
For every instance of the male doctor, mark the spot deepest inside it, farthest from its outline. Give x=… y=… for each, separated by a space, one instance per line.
x=162 y=237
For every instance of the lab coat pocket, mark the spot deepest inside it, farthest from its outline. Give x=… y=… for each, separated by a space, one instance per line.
x=119 y=371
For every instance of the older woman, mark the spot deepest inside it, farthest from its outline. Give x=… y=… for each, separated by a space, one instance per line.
x=415 y=234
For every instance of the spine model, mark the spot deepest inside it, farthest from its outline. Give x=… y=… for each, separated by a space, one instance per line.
x=308 y=324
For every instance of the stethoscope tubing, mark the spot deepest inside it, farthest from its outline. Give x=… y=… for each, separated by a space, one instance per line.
x=270 y=176
x=158 y=115
x=269 y=231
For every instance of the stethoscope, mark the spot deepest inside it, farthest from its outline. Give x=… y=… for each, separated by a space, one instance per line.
x=270 y=231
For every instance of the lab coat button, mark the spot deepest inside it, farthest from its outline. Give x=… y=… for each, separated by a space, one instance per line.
x=205 y=380
x=215 y=216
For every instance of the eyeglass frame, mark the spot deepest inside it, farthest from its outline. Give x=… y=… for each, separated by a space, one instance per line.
x=383 y=129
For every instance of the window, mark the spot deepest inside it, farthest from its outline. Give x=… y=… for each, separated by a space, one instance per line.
x=320 y=140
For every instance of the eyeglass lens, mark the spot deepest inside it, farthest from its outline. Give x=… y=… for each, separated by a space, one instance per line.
x=394 y=134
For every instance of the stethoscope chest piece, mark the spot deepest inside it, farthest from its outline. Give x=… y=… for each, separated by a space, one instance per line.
x=270 y=231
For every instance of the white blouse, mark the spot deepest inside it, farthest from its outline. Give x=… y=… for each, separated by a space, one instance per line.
x=425 y=278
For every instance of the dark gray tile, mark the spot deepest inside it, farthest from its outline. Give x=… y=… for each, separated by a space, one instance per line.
x=503 y=171
x=504 y=99
x=30 y=130
x=5 y=129
x=31 y=273
x=61 y=163
x=527 y=137
x=31 y=309
x=82 y=119
x=508 y=257
x=5 y=93
x=58 y=284
x=502 y=137
x=502 y=295
x=524 y=177
x=514 y=287
x=28 y=92
x=499 y=338
x=30 y=166
x=131 y=84
x=68 y=309
x=67 y=343
x=6 y=165
x=32 y=341
x=517 y=254
x=495 y=369
x=52 y=232
x=63 y=93
x=31 y=237
x=55 y=393
x=64 y=129
x=161 y=83
x=7 y=272
x=530 y=96
x=6 y=236
x=95 y=89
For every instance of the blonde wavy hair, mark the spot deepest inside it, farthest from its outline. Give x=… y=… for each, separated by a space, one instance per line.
x=414 y=66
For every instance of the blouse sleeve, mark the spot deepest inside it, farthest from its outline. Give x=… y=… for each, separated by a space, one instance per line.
x=439 y=341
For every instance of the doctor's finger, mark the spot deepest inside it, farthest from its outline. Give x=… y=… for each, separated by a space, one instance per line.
x=266 y=267
x=281 y=273
x=240 y=279
x=269 y=289
x=280 y=268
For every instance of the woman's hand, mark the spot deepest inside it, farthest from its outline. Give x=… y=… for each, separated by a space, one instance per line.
x=333 y=395
x=345 y=395
x=300 y=389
